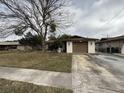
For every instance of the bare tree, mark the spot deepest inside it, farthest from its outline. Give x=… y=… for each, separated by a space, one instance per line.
x=40 y=16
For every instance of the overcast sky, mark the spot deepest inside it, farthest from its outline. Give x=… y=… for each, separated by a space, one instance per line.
x=96 y=18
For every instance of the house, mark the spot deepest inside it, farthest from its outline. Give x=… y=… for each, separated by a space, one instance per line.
x=73 y=44
x=12 y=45
x=77 y=44
x=8 y=45
x=111 y=45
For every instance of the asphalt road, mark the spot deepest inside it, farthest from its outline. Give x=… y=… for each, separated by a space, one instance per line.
x=112 y=63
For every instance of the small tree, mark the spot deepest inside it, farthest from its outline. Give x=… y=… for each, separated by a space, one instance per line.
x=31 y=40
x=40 y=16
x=58 y=42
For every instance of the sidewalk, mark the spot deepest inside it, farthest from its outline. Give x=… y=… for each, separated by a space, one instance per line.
x=38 y=77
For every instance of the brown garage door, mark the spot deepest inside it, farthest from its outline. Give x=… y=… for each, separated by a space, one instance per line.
x=80 y=47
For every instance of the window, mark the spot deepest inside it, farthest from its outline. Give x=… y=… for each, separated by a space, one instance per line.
x=91 y=43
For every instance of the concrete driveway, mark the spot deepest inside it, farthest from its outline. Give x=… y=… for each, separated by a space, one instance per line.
x=98 y=74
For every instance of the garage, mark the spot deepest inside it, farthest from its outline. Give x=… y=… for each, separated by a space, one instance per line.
x=78 y=44
x=80 y=47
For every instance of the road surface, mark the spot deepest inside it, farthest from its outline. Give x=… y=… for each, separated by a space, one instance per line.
x=112 y=63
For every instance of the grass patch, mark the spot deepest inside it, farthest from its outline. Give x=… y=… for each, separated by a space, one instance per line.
x=37 y=60
x=7 y=86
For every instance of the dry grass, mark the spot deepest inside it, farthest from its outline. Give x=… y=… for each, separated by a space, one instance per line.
x=37 y=60
x=7 y=86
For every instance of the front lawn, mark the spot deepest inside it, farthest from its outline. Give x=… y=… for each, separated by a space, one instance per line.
x=7 y=86
x=37 y=60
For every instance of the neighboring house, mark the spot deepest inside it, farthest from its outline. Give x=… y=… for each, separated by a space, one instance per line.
x=10 y=45
x=122 y=50
x=77 y=44
x=111 y=45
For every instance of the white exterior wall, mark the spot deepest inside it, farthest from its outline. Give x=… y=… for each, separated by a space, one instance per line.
x=22 y=48
x=69 y=47
x=122 y=50
x=91 y=47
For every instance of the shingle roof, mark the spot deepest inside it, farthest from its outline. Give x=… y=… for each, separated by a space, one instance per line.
x=112 y=39
x=78 y=38
x=75 y=38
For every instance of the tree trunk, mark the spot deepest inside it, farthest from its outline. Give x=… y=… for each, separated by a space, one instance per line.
x=44 y=39
x=43 y=46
